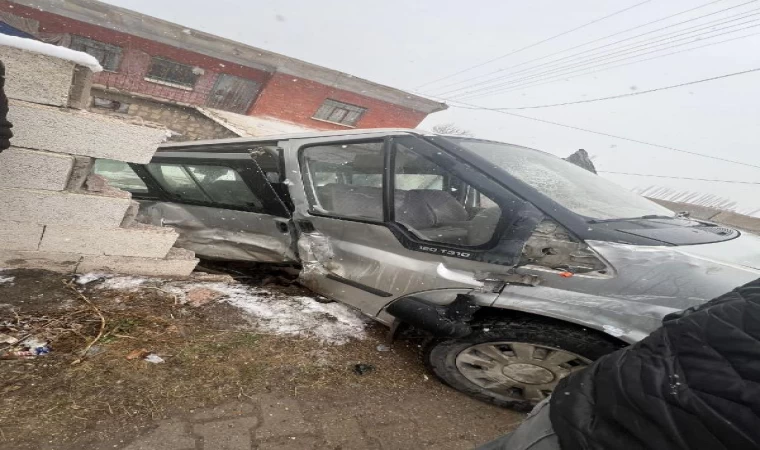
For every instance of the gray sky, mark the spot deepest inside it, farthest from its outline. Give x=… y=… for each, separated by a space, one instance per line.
x=405 y=43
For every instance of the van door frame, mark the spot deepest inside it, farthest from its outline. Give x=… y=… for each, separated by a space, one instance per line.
x=369 y=298
x=240 y=159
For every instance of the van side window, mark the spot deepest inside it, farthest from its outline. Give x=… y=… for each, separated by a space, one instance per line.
x=175 y=180
x=224 y=185
x=346 y=179
x=215 y=185
x=435 y=205
x=120 y=175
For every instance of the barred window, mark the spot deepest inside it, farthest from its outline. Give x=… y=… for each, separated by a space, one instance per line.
x=108 y=55
x=339 y=112
x=173 y=73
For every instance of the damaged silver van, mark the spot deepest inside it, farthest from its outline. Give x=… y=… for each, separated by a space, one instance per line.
x=518 y=266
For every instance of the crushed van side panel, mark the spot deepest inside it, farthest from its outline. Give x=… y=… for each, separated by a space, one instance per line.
x=222 y=234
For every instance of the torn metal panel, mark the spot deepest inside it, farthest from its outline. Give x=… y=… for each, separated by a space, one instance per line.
x=223 y=234
x=553 y=247
x=316 y=256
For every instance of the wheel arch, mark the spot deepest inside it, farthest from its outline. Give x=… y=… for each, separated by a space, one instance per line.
x=490 y=312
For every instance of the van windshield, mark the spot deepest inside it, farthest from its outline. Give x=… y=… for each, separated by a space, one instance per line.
x=575 y=188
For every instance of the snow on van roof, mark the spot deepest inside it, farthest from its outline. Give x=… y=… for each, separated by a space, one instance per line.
x=80 y=58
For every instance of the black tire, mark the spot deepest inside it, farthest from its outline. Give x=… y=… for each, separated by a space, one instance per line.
x=440 y=354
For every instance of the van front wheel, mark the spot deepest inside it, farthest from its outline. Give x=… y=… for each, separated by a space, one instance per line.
x=514 y=363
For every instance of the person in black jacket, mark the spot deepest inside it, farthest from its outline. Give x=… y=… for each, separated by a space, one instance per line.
x=5 y=127
x=693 y=384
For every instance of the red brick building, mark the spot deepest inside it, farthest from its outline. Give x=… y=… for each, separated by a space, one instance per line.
x=151 y=65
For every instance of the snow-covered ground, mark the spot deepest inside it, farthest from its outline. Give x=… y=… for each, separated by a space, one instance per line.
x=266 y=310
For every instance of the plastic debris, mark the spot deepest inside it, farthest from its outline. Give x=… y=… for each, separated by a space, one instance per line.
x=383 y=348
x=363 y=369
x=34 y=342
x=28 y=348
x=154 y=358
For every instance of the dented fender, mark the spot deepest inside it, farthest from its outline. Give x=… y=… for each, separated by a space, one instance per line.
x=618 y=318
x=645 y=284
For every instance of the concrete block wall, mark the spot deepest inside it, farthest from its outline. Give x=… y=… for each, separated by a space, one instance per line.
x=53 y=213
x=82 y=133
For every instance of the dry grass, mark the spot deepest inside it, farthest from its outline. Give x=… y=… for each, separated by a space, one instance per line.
x=211 y=355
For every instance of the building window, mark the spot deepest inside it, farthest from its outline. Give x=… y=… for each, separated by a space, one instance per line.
x=339 y=112
x=107 y=55
x=113 y=105
x=173 y=73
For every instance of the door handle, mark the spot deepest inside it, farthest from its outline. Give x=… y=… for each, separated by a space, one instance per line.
x=282 y=226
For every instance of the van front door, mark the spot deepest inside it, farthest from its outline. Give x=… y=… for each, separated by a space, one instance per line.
x=383 y=218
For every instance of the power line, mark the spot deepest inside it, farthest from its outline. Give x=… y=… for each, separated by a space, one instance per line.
x=678 y=178
x=600 y=133
x=533 y=45
x=576 y=59
x=639 y=49
x=603 y=38
x=632 y=52
x=566 y=77
x=631 y=94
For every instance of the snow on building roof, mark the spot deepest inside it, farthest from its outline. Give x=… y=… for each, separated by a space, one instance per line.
x=250 y=126
x=80 y=58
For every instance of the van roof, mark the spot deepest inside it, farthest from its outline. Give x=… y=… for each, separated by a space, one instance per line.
x=188 y=145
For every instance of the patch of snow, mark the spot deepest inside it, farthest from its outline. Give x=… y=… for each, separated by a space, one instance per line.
x=122 y=283
x=268 y=311
x=86 y=278
x=81 y=58
x=271 y=312
x=4 y=280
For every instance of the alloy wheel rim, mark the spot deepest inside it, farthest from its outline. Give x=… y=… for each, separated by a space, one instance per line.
x=518 y=370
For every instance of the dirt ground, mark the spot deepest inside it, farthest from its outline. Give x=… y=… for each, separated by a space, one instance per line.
x=214 y=354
